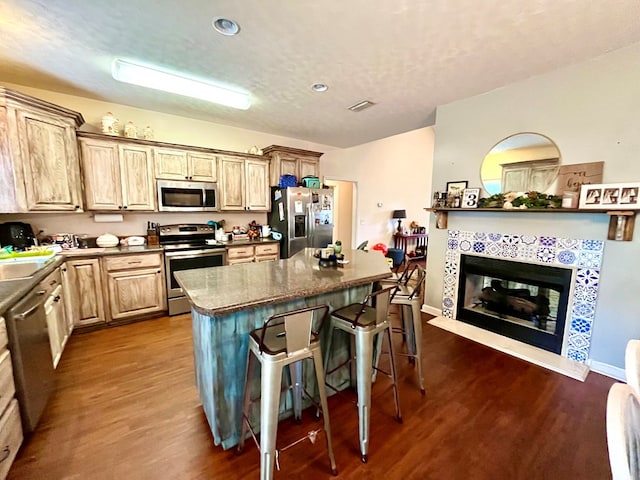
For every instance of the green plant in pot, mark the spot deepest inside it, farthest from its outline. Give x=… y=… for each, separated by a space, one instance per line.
x=337 y=247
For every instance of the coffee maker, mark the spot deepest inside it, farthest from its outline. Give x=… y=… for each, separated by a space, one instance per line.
x=17 y=234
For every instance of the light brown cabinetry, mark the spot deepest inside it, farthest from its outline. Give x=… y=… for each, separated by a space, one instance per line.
x=292 y=161
x=10 y=425
x=253 y=253
x=176 y=164
x=85 y=291
x=55 y=312
x=244 y=184
x=39 y=168
x=135 y=285
x=117 y=175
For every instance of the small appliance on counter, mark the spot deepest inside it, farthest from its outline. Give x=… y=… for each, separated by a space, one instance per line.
x=17 y=234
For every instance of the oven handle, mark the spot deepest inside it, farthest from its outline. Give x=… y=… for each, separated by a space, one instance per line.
x=195 y=253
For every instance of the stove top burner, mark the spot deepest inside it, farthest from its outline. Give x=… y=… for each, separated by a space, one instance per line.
x=188 y=236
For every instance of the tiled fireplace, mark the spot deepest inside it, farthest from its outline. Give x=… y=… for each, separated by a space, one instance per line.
x=583 y=259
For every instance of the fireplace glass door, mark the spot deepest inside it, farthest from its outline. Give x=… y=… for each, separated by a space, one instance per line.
x=527 y=302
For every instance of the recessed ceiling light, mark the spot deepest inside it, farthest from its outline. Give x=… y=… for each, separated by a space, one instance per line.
x=319 y=87
x=153 y=77
x=225 y=26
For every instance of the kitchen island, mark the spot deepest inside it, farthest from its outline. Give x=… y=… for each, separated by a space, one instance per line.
x=228 y=302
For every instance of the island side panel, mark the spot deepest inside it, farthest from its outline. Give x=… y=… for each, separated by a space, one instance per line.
x=220 y=356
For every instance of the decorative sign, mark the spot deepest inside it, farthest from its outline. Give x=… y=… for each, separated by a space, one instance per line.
x=470 y=197
x=613 y=196
x=572 y=177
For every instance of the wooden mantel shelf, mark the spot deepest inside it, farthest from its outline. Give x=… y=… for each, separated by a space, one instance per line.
x=620 y=225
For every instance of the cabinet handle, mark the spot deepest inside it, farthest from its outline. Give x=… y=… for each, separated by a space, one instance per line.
x=5 y=453
x=53 y=282
x=159 y=271
x=119 y=207
x=57 y=299
x=41 y=292
x=134 y=262
x=77 y=207
x=125 y=207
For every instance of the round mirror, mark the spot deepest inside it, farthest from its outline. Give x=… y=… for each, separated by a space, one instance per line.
x=524 y=162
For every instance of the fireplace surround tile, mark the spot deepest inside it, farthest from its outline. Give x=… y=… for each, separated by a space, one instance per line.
x=584 y=256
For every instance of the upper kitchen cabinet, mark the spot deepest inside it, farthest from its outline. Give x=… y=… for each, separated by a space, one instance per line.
x=118 y=175
x=176 y=164
x=39 y=168
x=244 y=184
x=292 y=161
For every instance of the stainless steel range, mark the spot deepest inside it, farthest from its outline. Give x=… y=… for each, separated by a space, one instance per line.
x=187 y=247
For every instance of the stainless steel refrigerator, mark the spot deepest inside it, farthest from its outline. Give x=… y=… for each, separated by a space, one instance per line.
x=304 y=217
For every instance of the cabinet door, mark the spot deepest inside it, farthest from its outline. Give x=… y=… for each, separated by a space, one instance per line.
x=202 y=167
x=101 y=172
x=257 y=185
x=86 y=291
x=232 y=184
x=289 y=166
x=136 y=171
x=67 y=285
x=308 y=168
x=171 y=164
x=515 y=179
x=135 y=292
x=50 y=162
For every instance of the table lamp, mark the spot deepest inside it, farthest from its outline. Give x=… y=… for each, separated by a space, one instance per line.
x=399 y=215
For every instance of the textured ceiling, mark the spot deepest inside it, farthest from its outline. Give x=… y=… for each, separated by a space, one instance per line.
x=406 y=56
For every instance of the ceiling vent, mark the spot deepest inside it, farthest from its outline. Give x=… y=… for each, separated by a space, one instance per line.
x=358 y=107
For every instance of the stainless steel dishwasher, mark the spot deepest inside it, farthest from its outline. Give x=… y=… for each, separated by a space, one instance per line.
x=31 y=356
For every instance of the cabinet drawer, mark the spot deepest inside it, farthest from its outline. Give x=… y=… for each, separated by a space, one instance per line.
x=240 y=252
x=7 y=387
x=237 y=261
x=10 y=437
x=123 y=262
x=267 y=249
x=3 y=333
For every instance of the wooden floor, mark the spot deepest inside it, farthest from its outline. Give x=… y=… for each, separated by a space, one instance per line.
x=126 y=408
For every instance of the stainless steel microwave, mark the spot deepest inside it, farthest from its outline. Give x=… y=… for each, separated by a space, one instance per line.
x=181 y=196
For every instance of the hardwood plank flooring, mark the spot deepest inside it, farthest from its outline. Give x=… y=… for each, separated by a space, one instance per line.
x=126 y=408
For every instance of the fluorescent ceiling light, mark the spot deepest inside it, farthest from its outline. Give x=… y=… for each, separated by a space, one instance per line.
x=135 y=74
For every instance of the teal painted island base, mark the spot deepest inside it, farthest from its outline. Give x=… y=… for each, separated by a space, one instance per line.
x=228 y=302
x=220 y=354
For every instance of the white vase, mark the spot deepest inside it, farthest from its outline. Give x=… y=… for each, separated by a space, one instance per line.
x=110 y=124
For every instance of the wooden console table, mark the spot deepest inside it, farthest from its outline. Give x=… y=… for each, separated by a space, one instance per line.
x=401 y=240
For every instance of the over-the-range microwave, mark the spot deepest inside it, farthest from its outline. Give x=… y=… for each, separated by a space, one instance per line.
x=184 y=196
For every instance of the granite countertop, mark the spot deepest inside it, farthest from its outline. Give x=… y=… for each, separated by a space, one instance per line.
x=102 y=251
x=13 y=290
x=222 y=290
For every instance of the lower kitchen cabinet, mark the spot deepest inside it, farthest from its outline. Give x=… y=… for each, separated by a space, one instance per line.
x=55 y=312
x=135 y=285
x=10 y=425
x=253 y=253
x=85 y=292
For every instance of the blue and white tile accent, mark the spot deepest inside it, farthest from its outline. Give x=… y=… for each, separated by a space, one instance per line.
x=583 y=256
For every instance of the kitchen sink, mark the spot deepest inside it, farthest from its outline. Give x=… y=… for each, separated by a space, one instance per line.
x=14 y=270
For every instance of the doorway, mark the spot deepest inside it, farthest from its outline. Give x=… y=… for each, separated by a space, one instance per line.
x=344 y=210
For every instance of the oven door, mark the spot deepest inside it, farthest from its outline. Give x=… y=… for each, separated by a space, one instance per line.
x=189 y=260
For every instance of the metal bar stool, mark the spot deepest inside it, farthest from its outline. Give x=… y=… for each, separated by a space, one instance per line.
x=285 y=339
x=407 y=295
x=364 y=322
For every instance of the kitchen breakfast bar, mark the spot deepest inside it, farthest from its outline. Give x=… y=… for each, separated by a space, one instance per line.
x=228 y=302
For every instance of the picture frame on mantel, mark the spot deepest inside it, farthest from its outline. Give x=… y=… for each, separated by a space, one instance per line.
x=612 y=196
x=456 y=187
x=470 y=198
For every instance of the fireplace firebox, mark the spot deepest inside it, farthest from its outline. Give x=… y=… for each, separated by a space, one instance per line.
x=524 y=301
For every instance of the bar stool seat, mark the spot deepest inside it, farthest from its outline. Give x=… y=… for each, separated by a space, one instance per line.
x=407 y=295
x=364 y=322
x=285 y=340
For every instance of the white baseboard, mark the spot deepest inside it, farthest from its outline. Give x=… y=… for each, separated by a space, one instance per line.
x=608 y=370
x=432 y=310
